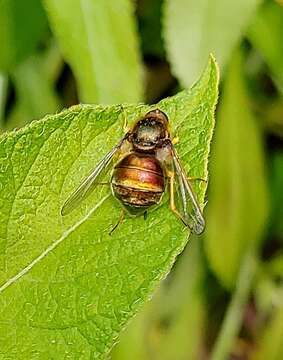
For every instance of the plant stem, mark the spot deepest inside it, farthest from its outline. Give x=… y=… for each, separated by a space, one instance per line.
x=234 y=314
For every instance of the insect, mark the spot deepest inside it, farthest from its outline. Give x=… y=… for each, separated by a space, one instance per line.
x=148 y=166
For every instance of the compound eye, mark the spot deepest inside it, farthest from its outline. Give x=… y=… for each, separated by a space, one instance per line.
x=157 y=114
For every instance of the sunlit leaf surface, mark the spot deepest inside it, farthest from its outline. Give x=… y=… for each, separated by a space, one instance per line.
x=66 y=286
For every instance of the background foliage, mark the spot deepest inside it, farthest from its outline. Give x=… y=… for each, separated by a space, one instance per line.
x=223 y=299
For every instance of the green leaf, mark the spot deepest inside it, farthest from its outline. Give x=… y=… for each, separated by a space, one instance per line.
x=133 y=342
x=270 y=343
x=265 y=289
x=182 y=310
x=170 y=327
x=67 y=287
x=238 y=199
x=195 y=28
x=22 y=26
x=276 y=196
x=99 y=41
x=266 y=34
x=30 y=79
x=232 y=321
x=275 y=266
x=271 y=113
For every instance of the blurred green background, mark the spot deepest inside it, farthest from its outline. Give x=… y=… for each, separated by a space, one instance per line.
x=224 y=297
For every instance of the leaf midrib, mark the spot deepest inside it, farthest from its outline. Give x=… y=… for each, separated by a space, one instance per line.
x=55 y=243
x=52 y=246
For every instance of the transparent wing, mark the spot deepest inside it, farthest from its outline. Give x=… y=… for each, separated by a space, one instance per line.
x=89 y=184
x=184 y=198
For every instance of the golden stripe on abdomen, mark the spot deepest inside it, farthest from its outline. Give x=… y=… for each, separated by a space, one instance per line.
x=138 y=181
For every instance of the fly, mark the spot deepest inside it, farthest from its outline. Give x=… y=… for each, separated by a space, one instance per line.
x=148 y=166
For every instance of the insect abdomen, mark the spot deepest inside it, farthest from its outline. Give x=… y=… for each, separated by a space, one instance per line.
x=138 y=181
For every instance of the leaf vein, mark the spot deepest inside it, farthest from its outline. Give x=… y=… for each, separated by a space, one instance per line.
x=51 y=247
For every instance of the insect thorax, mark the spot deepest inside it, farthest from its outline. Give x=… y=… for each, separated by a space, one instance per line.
x=147 y=134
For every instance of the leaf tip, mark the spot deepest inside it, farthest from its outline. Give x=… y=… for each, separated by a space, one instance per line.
x=212 y=63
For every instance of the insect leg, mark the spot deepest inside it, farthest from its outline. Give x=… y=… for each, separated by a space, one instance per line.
x=175 y=140
x=145 y=214
x=120 y=220
x=125 y=120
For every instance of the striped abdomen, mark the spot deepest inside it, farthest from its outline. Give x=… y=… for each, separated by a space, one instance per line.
x=138 y=181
